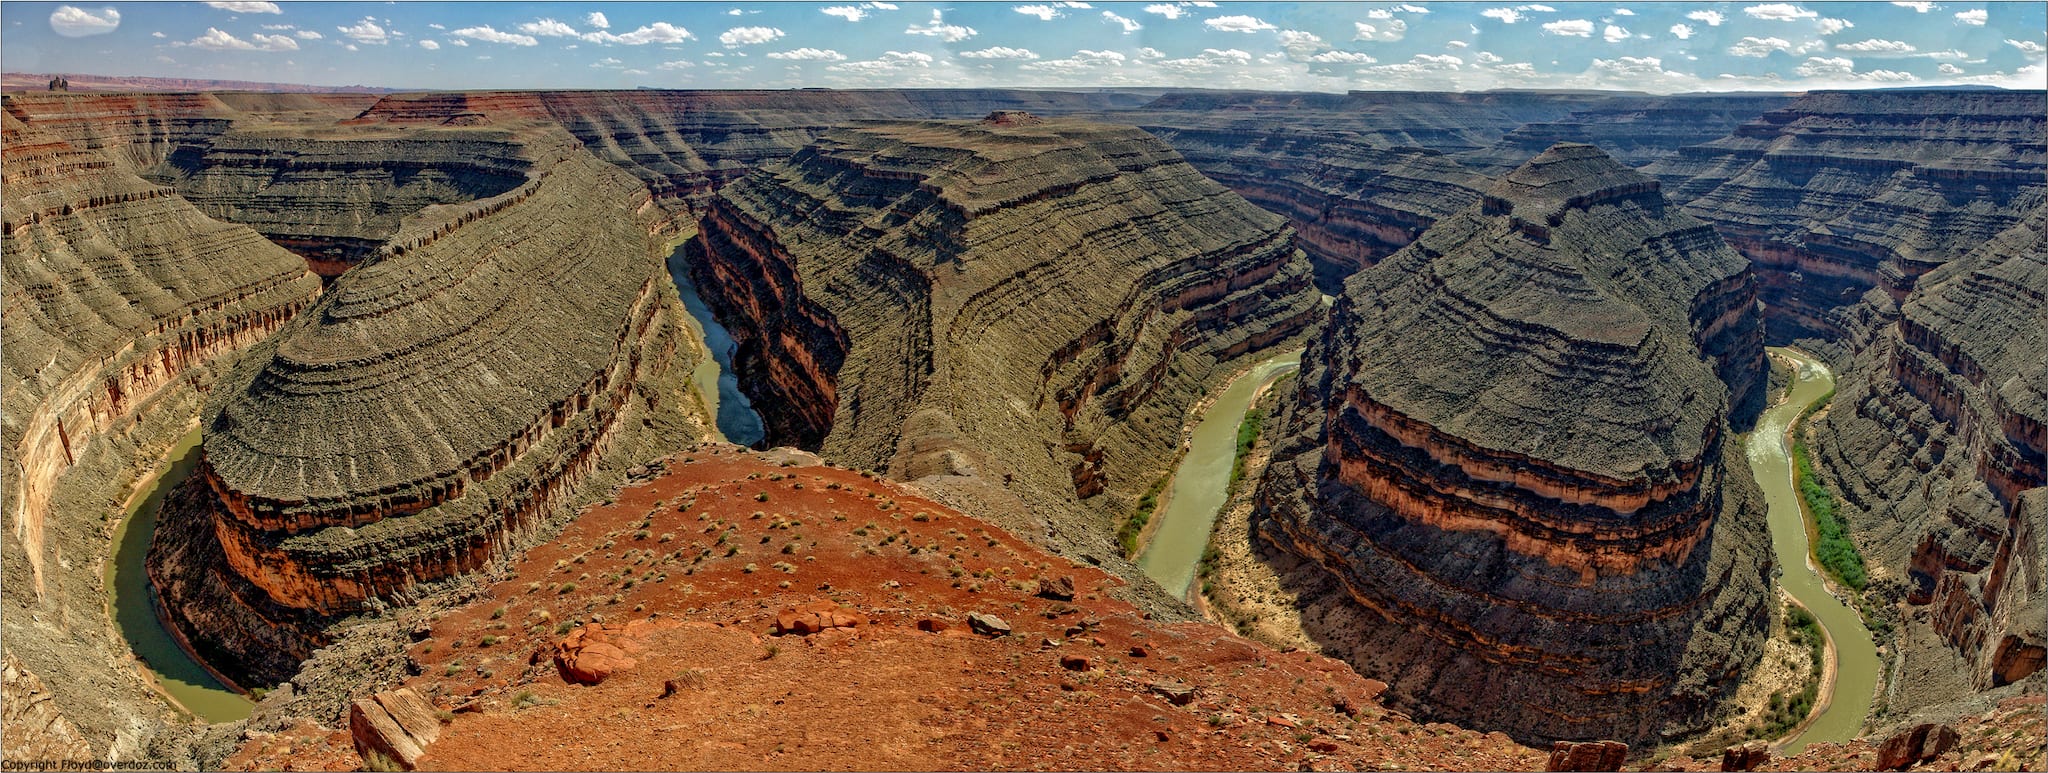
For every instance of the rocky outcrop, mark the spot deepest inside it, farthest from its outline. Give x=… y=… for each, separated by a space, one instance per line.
x=393 y=728
x=1021 y=312
x=1840 y=193
x=1935 y=443
x=1509 y=444
x=1586 y=756
x=120 y=298
x=1921 y=743
x=428 y=415
x=35 y=727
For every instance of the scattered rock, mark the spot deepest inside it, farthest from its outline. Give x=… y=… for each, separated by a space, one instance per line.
x=1176 y=694
x=1061 y=589
x=1075 y=663
x=1323 y=745
x=1587 y=756
x=1748 y=756
x=809 y=618
x=396 y=726
x=933 y=625
x=1138 y=651
x=987 y=625
x=1921 y=743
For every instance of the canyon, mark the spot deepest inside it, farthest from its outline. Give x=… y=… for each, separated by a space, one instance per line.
x=426 y=337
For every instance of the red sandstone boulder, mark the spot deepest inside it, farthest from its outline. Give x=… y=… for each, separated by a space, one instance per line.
x=1587 y=756
x=595 y=651
x=1748 y=756
x=393 y=727
x=1061 y=589
x=1921 y=743
x=812 y=617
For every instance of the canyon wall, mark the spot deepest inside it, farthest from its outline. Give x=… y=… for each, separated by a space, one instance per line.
x=431 y=412
x=1016 y=312
x=1841 y=193
x=1935 y=444
x=1636 y=131
x=119 y=299
x=1509 y=443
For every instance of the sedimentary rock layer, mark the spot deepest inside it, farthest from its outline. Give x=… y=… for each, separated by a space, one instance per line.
x=1635 y=131
x=1843 y=192
x=426 y=414
x=1935 y=442
x=1509 y=442
x=118 y=296
x=1019 y=309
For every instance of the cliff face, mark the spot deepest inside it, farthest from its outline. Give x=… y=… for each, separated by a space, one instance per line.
x=1019 y=309
x=1509 y=441
x=1635 y=131
x=119 y=296
x=1840 y=193
x=1935 y=442
x=427 y=414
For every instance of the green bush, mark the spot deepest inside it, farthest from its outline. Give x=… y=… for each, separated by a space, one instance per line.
x=1247 y=433
x=1835 y=551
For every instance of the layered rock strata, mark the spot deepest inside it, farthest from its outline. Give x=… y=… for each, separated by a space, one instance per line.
x=428 y=414
x=119 y=296
x=1634 y=131
x=1840 y=193
x=1509 y=443
x=1018 y=311
x=1935 y=443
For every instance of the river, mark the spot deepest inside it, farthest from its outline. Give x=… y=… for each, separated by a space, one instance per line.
x=133 y=602
x=1770 y=458
x=715 y=380
x=1202 y=481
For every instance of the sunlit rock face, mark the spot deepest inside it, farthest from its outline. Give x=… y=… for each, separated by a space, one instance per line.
x=1510 y=444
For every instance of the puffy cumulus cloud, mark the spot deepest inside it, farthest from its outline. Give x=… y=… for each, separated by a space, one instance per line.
x=244 y=6
x=658 y=32
x=856 y=12
x=889 y=61
x=1758 y=48
x=1130 y=25
x=1709 y=18
x=216 y=40
x=748 y=36
x=1148 y=52
x=1043 y=12
x=430 y=45
x=607 y=63
x=2027 y=47
x=1681 y=31
x=1949 y=69
x=597 y=19
x=1631 y=68
x=1613 y=34
x=1505 y=15
x=1825 y=67
x=308 y=35
x=1168 y=11
x=548 y=28
x=1488 y=58
x=1832 y=26
x=1301 y=42
x=1382 y=32
x=1576 y=28
x=1456 y=44
x=486 y=34
x=1779 y=12
x=1876 y=46
x=158 y=35
x=1210 y=60
x=679 y=64
x=808 y=55
x=1001 y=52
x=74 y=22
x=1083 y=61
x=1918 y=5
x=1624 y=12
x=1974 y=18
x=1340 y=57
x=366 y=31
x=938 y=28
x=1240 y=23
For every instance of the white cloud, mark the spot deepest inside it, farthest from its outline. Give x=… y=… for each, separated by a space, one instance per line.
x=1614 y=34
x=1819 y=67
x=1537 y=8
x=1624 y=12
x=679 y=64
x=1379 y=13
x=1832 y=26
x=889 y=61
x=1681 y=31
x=1505 y=15
x=308 y=35
x=1760 y=47
x=1710 y=18
x=1001 y=52
x=1246 y=24
x=1456 y=44
x=809 y=55
x=244 y=6
x=748 y=36
x=1209 y=60
x=1949 y=69
x=1487 y=57
x=2027 y=47
x=74 y=22
x=365 y=31
x=1887 y=76
x=1340 y=57
x=1384 y=32
x=1301 y=42
x=1974 y=18
x=1918 y=5
x=216 y=40
x=158 y=35
x=548 y=28
x=847 y=12
x=607 y=63
x=1168 y=11
x=1148 y=52
x=430 y=45
x=1876 y=46
x=1577 y=28
x=1082 y=61
x=1043 y=12
x=436 y=26
x=459 y=42
x=1779 y=12
x=938 y=28
x=658 y=32
x=487 y=34
x=597 y=19
x=1130 y=25
x=1632 y=69
x=1406 y=8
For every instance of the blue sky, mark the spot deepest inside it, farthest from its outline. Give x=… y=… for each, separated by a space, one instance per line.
x=1660 y=47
